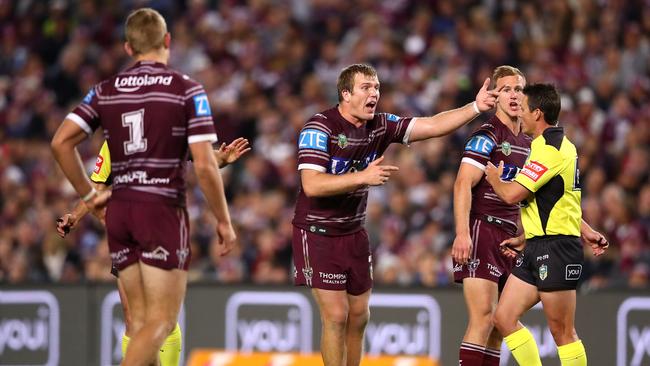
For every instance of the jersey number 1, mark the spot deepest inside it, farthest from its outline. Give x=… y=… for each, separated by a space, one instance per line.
x=135 y=122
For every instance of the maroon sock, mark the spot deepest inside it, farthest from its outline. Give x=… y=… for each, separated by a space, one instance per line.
x=492 y=357
x=470 y=355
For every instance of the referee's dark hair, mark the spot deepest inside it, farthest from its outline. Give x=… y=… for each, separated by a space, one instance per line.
x=545 y=98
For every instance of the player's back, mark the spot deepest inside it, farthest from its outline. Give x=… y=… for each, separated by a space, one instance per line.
x=149 y=114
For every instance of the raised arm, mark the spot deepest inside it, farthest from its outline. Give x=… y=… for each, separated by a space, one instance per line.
x=446 y=122
x=209 y=179
x=319 y=184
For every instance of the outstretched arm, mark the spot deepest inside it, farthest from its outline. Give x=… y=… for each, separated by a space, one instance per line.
x=446 y=122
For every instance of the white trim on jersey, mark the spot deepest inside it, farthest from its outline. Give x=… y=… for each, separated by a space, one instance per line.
x=407 y=134
x=471 y=161
x=210 y=137
x=312 y=167
x=80 y=122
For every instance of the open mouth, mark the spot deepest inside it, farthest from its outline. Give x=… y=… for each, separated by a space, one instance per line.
x=514 y=106
x=371 y=105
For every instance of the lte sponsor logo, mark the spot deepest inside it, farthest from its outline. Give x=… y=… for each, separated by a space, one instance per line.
x=268 y=322
x=417 y=332
x=633 y=332
x=113 y=327
x=29 y=328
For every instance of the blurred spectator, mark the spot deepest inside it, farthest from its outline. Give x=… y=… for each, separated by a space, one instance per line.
x=268 y=65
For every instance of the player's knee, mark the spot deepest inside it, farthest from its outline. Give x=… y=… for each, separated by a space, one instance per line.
x=360 y=316
x=483 y=323
x=335 y=316
x=503 y=321
x=562 y=333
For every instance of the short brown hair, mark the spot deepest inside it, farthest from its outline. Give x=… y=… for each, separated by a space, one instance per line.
x=503 y=71
x=346 y=77
x=145 y=30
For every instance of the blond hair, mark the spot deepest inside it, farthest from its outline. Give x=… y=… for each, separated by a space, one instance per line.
x=503 y=71
x=145 y=30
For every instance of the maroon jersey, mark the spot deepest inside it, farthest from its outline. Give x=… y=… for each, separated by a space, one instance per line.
x=330 y=144
x=493 y=141
x=150 y=114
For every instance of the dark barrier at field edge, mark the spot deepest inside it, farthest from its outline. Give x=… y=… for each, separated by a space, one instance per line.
x=50 y=325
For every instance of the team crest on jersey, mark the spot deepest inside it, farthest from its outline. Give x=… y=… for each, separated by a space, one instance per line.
x=506 y=148
x=473 y=264
x=342 y=141
x=520 y=261
x=543 y=272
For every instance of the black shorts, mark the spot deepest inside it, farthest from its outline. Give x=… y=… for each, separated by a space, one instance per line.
x=551 y=263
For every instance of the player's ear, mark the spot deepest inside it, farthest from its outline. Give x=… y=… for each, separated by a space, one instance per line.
x=167 y=40
x=346 y=95
x=128 y=49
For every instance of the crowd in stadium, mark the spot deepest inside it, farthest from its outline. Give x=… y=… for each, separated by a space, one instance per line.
x=268 y=65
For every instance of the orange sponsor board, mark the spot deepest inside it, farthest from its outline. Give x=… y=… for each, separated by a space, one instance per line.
x=211 y=357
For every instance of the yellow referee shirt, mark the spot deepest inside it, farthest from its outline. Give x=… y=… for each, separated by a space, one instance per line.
x=551 y=174
x=102 y=171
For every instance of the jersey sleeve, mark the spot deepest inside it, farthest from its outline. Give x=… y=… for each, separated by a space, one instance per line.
x=102 y=171
x=479 y=146
x=313 y=146
x=542 y=165
x=200 y=125
x=398 y=128
x=85 y=114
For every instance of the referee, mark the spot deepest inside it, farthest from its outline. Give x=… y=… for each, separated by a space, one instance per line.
x=550 y=265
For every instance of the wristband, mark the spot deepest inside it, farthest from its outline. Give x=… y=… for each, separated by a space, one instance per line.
x=475 y=106
x=90 y=195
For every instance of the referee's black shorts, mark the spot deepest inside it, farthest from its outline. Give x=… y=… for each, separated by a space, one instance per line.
x=551 y=263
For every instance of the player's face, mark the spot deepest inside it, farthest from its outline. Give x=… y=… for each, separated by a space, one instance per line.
x=510 y=95
x=364 y=97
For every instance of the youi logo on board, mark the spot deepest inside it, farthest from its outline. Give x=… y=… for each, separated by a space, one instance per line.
x=407 y=324
x=29 y=328
x=633 y=332
x=268 y=322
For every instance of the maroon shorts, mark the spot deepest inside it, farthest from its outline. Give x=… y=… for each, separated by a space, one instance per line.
x=154 y=233
x=485 y=260
x=332 y=262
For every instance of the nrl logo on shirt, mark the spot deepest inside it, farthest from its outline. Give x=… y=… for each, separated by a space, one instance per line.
x=543 y=272
x=342 y=141
x=506 y=148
